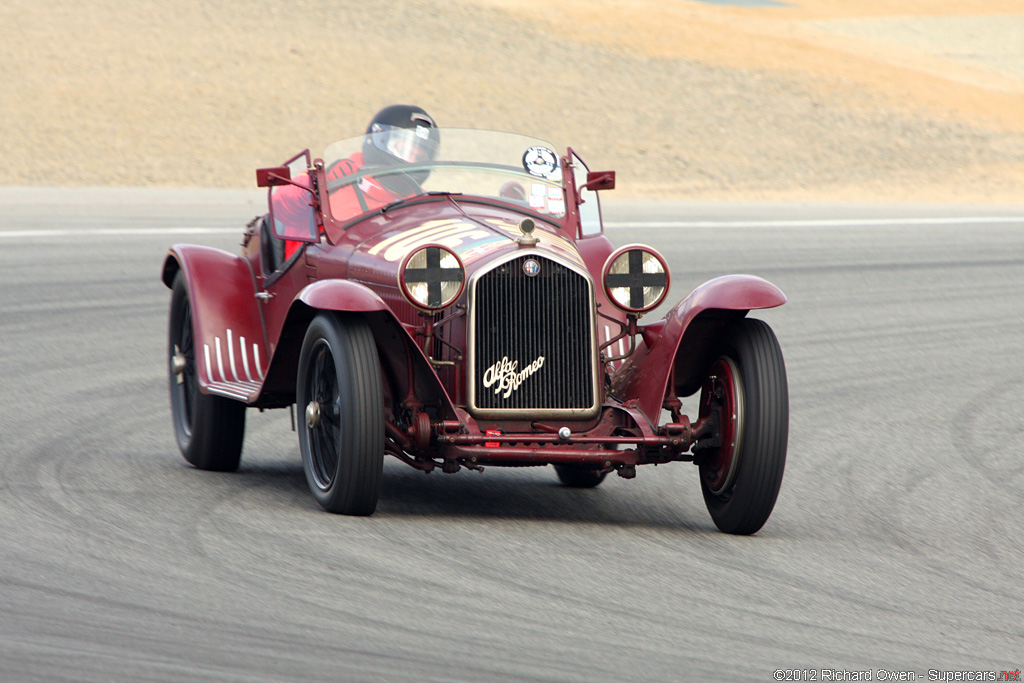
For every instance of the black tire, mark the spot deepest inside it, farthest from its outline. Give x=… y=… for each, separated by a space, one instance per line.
x=210 y=429
x=342 y=437
x=741 y=475
x=578 y=477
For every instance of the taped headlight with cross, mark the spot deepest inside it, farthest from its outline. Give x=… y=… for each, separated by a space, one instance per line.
x=432 y=277
x=636 y=278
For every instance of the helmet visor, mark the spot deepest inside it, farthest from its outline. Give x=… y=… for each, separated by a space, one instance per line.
x=411 y=145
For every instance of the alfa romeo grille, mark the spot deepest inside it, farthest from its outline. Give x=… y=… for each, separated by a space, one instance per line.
x=533 y=346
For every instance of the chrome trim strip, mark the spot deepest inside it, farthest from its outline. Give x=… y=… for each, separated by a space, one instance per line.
x=241 y=390
x=256 y=360
x=220 y=360
x=245 y=358
x=209 y=367
x=231 y=356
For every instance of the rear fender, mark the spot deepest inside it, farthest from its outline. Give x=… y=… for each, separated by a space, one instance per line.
x=397 y=348
x=682 y=347
x=230 y=341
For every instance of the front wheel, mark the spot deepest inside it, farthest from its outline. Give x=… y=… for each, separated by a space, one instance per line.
x=210 y=429
x=340 y=396
x=746 y=395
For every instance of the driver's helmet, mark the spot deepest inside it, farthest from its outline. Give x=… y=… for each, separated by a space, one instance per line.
x=399 y=135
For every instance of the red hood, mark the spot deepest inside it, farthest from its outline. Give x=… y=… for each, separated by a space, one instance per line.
x=476 y=232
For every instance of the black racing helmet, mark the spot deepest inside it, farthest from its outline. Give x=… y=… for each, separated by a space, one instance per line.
x=399 y=135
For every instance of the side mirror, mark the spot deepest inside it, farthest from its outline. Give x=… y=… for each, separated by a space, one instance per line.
x=600 y=180
x=271 y=177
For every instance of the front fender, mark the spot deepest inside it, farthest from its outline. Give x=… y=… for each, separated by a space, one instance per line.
x=342 y=296
x=681 y=347
x=399 y=352
x=229 y=339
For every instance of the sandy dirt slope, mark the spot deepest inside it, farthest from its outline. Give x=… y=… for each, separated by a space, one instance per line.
x=908 y=100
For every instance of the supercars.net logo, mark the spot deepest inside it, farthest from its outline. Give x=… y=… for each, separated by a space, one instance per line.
x=892 y=675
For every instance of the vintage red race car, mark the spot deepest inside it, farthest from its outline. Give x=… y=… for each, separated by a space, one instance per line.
x=465 y=309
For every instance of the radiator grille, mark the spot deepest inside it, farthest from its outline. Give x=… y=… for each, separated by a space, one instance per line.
x=533 y=346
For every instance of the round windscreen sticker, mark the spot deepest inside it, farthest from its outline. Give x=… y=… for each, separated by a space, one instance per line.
x=540 y=161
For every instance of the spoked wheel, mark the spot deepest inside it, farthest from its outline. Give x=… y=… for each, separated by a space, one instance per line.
x=577 y=477
x=747 y=396
x=341 y=435
x=210 y=429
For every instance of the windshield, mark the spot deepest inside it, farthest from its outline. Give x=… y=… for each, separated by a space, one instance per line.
x=372 y=171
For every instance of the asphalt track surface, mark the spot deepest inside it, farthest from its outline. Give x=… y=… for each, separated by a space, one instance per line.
x=895 y=546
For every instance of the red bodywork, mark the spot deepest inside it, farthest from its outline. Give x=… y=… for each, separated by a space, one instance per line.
x=250 y=321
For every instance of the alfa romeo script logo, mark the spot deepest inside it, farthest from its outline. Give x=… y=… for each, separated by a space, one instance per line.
x=506 y=376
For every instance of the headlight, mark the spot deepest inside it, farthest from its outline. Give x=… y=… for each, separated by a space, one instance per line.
x=432 y=277
x=636 y=278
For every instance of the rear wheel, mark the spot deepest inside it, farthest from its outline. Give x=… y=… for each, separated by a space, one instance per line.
x=210 y=429
x=577 y=477
x=747 y=396
x=341 y=434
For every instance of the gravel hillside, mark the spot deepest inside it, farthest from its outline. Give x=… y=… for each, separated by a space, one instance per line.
x=894 y=101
